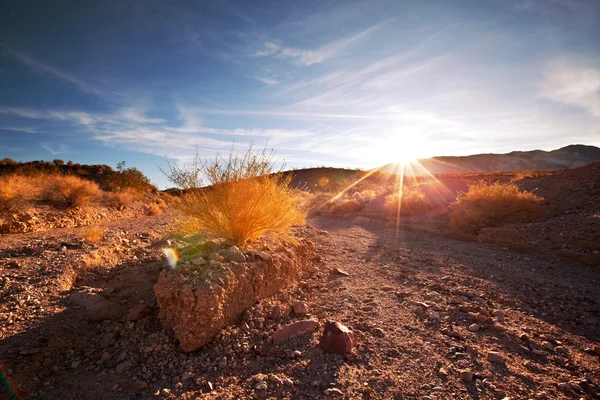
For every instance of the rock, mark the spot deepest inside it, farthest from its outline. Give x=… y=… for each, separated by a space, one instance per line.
x=333 y=392
x=186 y=375
x=106 y=356
x=499 y=314
x=233 y=254
x=138 y=312
x=261 y=386
x=466 y=375
x=124 y=366
x=495 y=357
x=97 y=307
x=215 y=257
x=596 y=349
x=276 y=312
x=474 y=327
x=140 y=385
x=340 y=272
x=433 y=315
x=299 y=307
x=337 y=338
x=198 y=261
x=547 y=345
x=524 y=338
x=264 y=257
x=294 y=329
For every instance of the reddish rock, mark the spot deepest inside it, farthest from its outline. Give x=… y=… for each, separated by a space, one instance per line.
x=495 y=357
x=299 y=307
x=295 y=329
x=337 y=338
x=97 y=307
x=138 y=312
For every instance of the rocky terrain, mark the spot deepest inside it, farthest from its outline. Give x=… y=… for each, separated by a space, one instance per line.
x=431 y=317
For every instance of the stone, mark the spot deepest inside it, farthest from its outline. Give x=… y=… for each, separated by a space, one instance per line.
x=337 y=338
x=466 y=375
x=295 y=329
x=138 y=312
x=547 y=345
x=97 y=307
x=333 y=392
x=198 y=261
x=140 y=385
x=474 y=327
x=495 y=357
x=299 y=307
x=499 y=314
x=186 y=375
x=124 y=366
x=233 y=253
x=340 y=272
x=596 y=349
x=433 y=315
x=106 y=356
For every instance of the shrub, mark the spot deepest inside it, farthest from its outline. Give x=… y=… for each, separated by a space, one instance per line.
x=486 y=205
x=15 y=191
x=154 y=209
x=123 y=198
x=341 y=207
x=69 y=191
x=127 y=178
x=245 y=199
x=94 y=234
x=412 y=202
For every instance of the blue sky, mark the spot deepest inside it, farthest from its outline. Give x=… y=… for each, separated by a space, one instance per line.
x=335 y=83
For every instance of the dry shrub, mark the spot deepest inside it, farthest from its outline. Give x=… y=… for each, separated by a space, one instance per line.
x=341 y=207
x=245 y=199
x=486 y=205
x=94 y=234
x=413 y=202
x=16 y=191
x=123 y=197
x=319 y=201
x=154 y=209
x=69 y=191
x=364 y=196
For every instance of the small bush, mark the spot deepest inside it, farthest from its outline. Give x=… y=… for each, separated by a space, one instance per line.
x=412 y=202
x=245 y=199
x=154 y=209
x=95 y=234
x=123 y=198
x=69 y=191
x=15 y=191
x=341 y=207
x=486 y=205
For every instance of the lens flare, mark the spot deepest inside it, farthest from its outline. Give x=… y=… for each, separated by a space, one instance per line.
x=171 y=256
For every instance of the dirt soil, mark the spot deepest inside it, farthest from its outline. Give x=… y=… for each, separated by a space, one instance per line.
x=412 y=299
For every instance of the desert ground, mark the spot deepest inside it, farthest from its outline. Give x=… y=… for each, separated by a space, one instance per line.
x=434 y=316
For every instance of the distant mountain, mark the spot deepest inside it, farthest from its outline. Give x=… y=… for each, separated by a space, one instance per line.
x=572 y=156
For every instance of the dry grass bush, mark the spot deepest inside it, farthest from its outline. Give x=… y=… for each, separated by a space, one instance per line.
x=412 y=202
x=123 y=197
x=94 y=234
x=245 y=199
x=154 y=209
x=486 y=205
x=16 y=191
x=344 y=206
x=69 y=191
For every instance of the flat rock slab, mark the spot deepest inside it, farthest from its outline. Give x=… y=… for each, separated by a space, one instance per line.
x=295 y=329
x=97 y=308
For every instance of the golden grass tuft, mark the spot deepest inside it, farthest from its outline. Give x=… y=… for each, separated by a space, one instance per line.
x=16 y=191
x=244 y=200
x=94 y=234
x=341 y=206
x=487 y=205
x=69 y=191
x=123 y=197
x=413 y=202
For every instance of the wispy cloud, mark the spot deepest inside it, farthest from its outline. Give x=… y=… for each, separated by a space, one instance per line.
x=62 y=148
x=313 y=56
x=574 y=81
x=18 y=129
x=41 y=67
x=267 y=81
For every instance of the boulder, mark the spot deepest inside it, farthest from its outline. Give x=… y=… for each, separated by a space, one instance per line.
x=138 y=312
x=97 y=307
x=294 y=329
x=337 y=338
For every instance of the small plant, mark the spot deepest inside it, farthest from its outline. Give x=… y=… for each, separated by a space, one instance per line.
x=123 y=198
x=410 y=202
x=341 y=207
x=15 y=192
x=486 y=205
x=245 y=199
x=95 y=234
x=69 y=191
x=154 y=209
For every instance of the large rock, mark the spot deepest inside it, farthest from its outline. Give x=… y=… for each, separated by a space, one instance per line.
x=97 y=308
x=294 y=329
x=197 y=309
x=337 y=338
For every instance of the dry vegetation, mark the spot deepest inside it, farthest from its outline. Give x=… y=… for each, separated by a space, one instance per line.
x=246 y=198
x=15 y=192
x=485 y=205
x=95 y=234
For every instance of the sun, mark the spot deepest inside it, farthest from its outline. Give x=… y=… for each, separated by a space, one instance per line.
x=396 y=148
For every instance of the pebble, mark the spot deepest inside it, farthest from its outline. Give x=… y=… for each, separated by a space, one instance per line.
x=466 y=376
x=299 y=307
x=141 y=385
x=495 y=357
x=474 y=327
x=333 y=391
